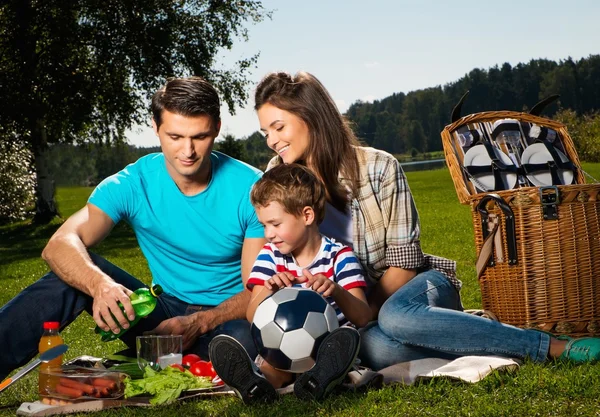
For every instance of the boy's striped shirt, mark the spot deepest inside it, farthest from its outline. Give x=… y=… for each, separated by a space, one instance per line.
x=334 y=260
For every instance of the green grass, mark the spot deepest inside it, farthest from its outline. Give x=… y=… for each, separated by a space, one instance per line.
x=553 y=389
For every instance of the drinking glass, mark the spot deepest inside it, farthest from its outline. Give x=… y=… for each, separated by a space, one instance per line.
x=158 y=351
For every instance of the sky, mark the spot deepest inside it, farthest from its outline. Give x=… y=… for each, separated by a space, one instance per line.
x=369 y=49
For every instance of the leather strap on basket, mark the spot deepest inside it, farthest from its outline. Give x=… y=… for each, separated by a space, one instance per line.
x=492 y=238
x=485 y=255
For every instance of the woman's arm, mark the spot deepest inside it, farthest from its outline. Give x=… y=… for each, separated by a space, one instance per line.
x=389 y=283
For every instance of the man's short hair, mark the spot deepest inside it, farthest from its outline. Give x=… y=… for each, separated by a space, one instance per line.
x=193 y=96
x=294 y=187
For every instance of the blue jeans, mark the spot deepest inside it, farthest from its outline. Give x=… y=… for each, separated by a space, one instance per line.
x=50 y=299
x=424 y=319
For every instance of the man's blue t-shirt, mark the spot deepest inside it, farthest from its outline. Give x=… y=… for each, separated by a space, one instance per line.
x=193 y=244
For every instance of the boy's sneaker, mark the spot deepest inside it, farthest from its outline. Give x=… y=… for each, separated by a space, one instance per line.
x=236 y=369
x=335 y=358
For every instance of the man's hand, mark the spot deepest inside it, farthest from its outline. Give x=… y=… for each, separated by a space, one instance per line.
x=190 y=327
x=320 y=283
x=106 y=299
x=282 y=279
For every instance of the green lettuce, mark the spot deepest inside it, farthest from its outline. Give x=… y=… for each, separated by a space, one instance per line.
x=165 y=385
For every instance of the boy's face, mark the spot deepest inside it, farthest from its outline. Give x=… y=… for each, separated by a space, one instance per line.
x=286 y=231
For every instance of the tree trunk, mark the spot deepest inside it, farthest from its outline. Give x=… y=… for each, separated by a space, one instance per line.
x=45 y=206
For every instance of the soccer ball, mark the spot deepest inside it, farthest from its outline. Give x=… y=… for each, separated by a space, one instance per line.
x=288 y=328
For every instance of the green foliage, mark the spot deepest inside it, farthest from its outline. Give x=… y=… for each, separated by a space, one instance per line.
x=82 y=70
x=232 y=147
x=85 y=68
x=585 y=132
x=401 y=122
x=258 y=153
x=17 y=181
x=89 y=164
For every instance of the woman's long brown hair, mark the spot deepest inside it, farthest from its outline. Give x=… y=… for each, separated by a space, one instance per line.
x=331 y=145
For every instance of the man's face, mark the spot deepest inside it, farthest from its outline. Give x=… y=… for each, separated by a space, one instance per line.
x=187 y=142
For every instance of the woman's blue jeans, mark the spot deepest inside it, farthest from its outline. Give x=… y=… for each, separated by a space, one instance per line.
x=50 y=299
x=424 y=319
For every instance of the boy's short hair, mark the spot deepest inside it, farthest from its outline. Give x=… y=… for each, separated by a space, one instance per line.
x=294 y=187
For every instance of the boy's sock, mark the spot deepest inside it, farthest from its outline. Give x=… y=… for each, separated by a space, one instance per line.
x=335 y=358
x=236 y=369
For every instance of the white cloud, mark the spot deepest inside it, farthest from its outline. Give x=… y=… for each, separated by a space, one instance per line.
x=372 y=64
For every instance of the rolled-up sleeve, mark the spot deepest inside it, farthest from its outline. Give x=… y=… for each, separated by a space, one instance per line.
x=403 y=248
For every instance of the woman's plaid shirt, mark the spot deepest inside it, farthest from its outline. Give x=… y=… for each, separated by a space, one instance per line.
x=386 y=227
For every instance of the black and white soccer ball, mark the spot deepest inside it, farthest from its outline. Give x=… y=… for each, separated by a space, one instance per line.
x=288 y=328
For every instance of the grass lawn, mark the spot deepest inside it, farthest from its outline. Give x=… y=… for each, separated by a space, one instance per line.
x=553 y=389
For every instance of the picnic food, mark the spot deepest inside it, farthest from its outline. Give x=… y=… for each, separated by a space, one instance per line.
x=49 y=339
x=189 y=359
x=143 y=301
x=75 y=383
x=164 y=385
x=203 y=368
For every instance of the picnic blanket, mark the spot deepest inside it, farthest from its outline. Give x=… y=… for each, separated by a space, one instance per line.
x=467 y=368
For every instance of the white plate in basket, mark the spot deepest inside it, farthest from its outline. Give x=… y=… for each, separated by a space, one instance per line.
x=539 y=154
x=478 y=156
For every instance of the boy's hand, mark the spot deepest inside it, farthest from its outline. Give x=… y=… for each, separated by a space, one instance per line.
x=280 y=280
x=320 y=283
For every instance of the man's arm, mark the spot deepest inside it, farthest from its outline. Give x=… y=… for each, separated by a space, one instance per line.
x=66 y=254
x=197 y=324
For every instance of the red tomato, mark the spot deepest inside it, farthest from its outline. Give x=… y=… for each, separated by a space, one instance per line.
x=190 y=359
x=211 y=371
x=177 y=366
x=203 y=368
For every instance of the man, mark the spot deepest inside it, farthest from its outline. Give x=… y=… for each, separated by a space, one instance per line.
x=190 y=210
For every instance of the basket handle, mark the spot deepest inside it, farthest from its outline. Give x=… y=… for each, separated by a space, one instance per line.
x=509 y=223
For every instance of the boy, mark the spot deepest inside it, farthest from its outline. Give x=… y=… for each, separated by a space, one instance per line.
x=290 y=203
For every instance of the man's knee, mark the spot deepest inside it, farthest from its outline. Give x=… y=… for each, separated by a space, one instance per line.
x=240 y=331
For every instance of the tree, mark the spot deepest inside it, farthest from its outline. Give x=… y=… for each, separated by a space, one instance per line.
x=17 y=181
x=75 y=71
x=232 y=147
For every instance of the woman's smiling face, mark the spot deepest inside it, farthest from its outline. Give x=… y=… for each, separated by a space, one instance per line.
x=285 y=133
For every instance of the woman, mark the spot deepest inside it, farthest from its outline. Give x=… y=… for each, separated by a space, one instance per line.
x=414 y=297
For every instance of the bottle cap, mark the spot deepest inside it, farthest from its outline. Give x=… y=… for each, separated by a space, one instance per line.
x=51 y=325
x=156 y=290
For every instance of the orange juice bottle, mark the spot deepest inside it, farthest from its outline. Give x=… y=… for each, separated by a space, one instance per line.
x=49 y=339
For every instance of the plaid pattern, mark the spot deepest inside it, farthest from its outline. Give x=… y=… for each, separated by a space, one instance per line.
x=385 y=220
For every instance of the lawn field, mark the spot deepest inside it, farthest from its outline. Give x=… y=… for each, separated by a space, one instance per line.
x=552 y=389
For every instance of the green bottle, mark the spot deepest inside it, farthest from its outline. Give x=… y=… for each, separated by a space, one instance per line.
x=143 y=301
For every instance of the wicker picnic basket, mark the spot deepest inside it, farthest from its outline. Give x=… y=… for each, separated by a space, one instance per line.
x=538 y=247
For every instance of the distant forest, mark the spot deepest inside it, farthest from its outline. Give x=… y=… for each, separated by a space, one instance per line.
x=400 y=124
x=411 y=123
